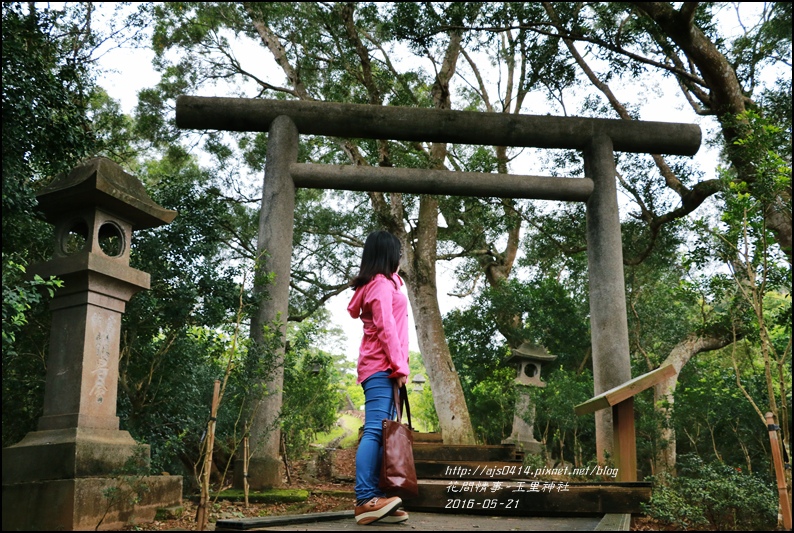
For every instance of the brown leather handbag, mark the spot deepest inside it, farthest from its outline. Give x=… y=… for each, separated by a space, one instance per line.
x=397 y=472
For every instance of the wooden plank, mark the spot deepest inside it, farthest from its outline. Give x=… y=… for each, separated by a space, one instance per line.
x=241 y=524
x=625 y=440
x=543 y=498
x=418 y=436
x=615 y=522
x=627 y=390
x=428 y=437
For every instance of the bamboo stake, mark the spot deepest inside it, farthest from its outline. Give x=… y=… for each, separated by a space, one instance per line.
x=785 y=506
x=284 y=455
x=205 y=481
x=245 y=468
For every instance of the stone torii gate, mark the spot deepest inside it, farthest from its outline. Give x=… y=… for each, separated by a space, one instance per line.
x=597 y=139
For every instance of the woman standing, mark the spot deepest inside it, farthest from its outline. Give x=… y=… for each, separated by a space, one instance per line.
x=382 y=360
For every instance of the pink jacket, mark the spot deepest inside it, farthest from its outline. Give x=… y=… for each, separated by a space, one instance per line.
x=383 y=309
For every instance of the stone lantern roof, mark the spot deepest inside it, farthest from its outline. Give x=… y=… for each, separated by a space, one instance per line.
x=530 y=352
x=100 y=182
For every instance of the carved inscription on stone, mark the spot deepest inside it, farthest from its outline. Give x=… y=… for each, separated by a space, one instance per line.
x=102 y=328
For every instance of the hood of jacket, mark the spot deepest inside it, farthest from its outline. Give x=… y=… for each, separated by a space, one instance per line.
x=354 y=307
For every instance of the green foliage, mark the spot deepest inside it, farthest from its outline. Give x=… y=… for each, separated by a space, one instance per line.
x=355 y=391
x=479 y=356
x=311 y=395
x=763 y=44
x=176 y=337
x=114 y=131
x=761 y=141
x=23 y=375
x=566 y=436
x=423 y=409
x=713 y=495
x=18 y=298
x=46 y=84
x=492 y=405
x=171 y=413
x=750 y=293
x=712 y=417
x=326 y=246
x=551 y=315
x=343 y=435
x=649 y=423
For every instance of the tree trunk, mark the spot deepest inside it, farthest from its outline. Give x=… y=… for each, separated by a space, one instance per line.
x=664 y=392
x=453 y=414
x=420 y=269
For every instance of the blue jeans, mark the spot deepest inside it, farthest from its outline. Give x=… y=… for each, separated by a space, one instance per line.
x=379 y=405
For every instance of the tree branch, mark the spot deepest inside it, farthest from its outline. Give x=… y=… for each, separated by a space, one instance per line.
x=272 y=43
x=483 y=92
x=574 y=37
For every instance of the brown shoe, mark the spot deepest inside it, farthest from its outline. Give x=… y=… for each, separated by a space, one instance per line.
x=395 y=517
x=375 y=509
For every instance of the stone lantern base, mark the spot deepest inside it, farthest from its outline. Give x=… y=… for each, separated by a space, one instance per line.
x=85 y=504
x=78 y=471
x=71 y=453
x=77 y=479
x=523 y=433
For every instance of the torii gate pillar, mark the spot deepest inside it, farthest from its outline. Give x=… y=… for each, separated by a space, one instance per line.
x=274 y=252
x=609 y=330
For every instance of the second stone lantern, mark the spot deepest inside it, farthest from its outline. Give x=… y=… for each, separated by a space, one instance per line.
x=529 y=359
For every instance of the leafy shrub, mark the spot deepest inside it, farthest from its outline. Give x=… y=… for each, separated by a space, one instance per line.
x=713 y=495
x=310 y=398
x=566 y=436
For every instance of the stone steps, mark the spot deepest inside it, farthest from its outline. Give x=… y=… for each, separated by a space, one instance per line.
x=492 y=480
x=528 y=497
x=470 y=470
x=438 y=451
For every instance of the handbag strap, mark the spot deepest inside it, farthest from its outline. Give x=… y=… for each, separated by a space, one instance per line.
x=400 y=399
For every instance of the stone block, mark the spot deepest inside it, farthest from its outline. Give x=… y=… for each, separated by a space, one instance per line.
x=70 y=453
x=169 y=513
x=87 y=503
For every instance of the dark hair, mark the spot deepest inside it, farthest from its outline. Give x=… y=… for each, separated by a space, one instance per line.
x=381 y=256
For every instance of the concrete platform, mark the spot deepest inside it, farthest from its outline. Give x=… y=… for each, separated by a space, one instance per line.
x=422 y=521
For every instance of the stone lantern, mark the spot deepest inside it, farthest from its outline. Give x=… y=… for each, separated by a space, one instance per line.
x=529 y=359
x=55 y=477
x=419 y=382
